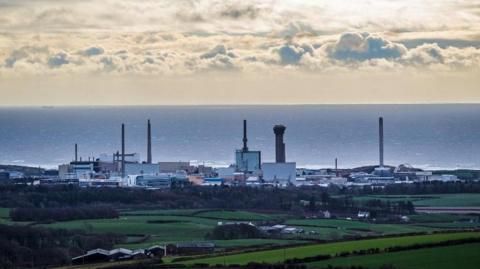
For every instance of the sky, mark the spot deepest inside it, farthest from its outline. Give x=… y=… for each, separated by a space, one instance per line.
x=201 y=52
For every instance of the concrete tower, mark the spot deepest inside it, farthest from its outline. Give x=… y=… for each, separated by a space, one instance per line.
x=245 y=140
x=149 y=143
x=380 y=131
x=279 y=130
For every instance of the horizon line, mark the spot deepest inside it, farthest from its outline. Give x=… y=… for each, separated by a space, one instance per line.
x=235 y=105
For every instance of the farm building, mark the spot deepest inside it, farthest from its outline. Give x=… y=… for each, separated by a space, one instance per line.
x=102 y=255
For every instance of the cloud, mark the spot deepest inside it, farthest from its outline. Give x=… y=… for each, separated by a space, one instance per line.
x=292 y=53
x=219 y=58
x=364 y=46
x=30 y=54
x=128 y=54
x=58 y=60
x=218 y=50
x=92 y=51
x=237 y=11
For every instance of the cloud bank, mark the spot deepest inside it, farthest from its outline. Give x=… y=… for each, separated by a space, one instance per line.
x=157 y=54
x=182 y=38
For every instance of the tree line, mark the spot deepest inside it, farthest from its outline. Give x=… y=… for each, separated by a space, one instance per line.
x=66 y=199
x=36 y=247
x=62 y=213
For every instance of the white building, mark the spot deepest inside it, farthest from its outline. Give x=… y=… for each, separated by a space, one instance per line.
x=280 y=173
x=158 y=181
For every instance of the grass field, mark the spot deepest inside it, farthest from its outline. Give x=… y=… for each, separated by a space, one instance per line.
x=172 y=226
x=447 y=200
x=4 y=212
x=329 y=228
x=238 y=215
x=163 y=228
x=460 y=256
x=279 y=255
x=234 y=243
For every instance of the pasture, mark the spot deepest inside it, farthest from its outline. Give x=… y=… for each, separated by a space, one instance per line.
x=434 y=200
x=459 y=256
x=279 y=255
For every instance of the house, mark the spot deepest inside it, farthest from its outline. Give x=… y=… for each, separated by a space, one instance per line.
x=363 y=215
x=326 y=214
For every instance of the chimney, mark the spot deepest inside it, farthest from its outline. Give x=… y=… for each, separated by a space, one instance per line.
x=149 y=143
x=245 y=140
x=279 y=130
x=76 y=152
x=336 y=167
x=380 y=130
x=123 y=150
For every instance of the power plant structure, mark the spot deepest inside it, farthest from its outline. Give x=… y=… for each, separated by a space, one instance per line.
x=76 y=152
x=280 y=172
x=380 y=137
x=336 y=167
x=123 y=150
x=247 y=161
x=149 y=142
x=279 y=130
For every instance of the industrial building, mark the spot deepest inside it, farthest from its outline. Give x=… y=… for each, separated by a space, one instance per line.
x=172 y=167
x=280 y=172
x=142 y=168
x=246 y=160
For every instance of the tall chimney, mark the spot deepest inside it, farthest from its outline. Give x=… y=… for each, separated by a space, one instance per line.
x=245 y=140
x=123 y=150
x=336 y=167
x=279 y=130
x=149 y=143
x=380 y=130
x=76 y=152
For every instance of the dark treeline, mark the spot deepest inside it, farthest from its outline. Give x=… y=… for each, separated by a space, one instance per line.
x=295 y=200
x=34 y=247
x=434 y=187
x=62 y=213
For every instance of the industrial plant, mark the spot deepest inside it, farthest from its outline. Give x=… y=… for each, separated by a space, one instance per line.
x=126 y=169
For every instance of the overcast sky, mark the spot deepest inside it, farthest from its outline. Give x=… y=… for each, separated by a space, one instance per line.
x=130 y=52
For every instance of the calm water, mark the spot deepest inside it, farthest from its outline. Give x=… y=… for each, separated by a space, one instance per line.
x=429 y=136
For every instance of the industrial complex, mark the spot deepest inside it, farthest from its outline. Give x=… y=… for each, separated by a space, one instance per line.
x=126 y=169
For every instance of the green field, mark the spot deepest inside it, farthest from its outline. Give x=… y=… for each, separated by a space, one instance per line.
x=238 y=215
x=234 y=243
x=460 y=256
x=4 y=212
x=172 y=226
x=166 y=228
x=352 y=227
x=446 y=200
x=144 y=228
x=279 y=255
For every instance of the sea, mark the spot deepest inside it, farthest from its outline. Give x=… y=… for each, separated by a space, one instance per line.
x=426 y=136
